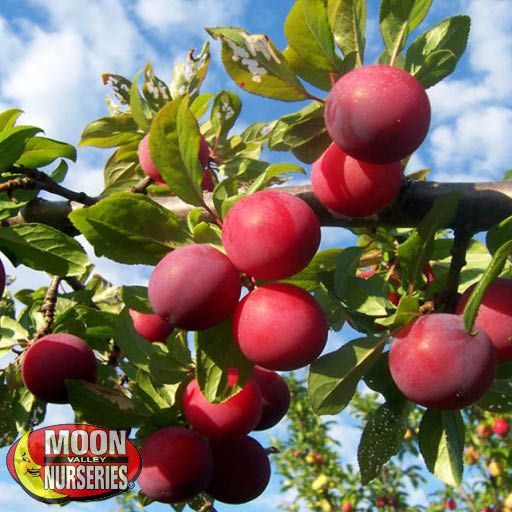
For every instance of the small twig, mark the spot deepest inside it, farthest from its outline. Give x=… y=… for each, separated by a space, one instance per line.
x=271 y=450
x=142 y=186
x=17 y=183
x=74 y=283
x=44 y=182
x=447 y=300
x=467 y=498
x=48 y=308
x=207 y=507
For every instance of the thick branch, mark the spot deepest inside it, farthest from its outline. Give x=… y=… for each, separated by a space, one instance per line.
x=481 y=206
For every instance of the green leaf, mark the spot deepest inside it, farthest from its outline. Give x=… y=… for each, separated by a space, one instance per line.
x=136 y=298
x=499 y=234
x=415 y=252
x=11 y=332
x=9 y=117
x=28 y=410
x=398 y=18
x=132 y=344
x=138 y=107
x=333 y=378
x=43 y=248
x=434 y=55
x=309 y=34
x=119 y=176
x=106 y=407
x=273 y=171
x=348 y=22
x=491 y=273
x=347 y=264
x=256 y=65
x=382 y=438
x=407 y=310
x=216 y=353
x=331 y=306
x=12 y=144
x=120 y=86
x=165 y=370
x=200 y=105
x=303 y=131
x=499 y=398
x=441 y=440
x=188 y=76
x=40 y=151
x=155 y=91
x=380 y=380
x=174 y=147
x=109 y=132
x=225 y=111
x=323 y=262
x=300 y=66
x=130 y=228
x=60 y=172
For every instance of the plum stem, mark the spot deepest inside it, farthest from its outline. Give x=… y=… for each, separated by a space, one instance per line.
x=142 y=186
x=447 y=300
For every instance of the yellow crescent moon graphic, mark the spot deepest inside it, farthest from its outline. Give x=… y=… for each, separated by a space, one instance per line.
x=28 y=474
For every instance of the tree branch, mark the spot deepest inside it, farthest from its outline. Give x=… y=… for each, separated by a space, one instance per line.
x=48 y=308
x=481 y=206
x=44 y=182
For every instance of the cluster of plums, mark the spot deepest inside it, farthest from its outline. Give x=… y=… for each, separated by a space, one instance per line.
x=217 y=455
x=436 y=363
x=376 y=116
x=267 y=236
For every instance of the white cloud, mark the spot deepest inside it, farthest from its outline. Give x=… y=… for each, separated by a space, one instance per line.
x=188 y=16
x=475 y=146
x=56 y=75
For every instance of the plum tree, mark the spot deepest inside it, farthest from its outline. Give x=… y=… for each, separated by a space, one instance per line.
x=275 y=397
x=495 y=315
x=231 y=224
x=199 y=303
x=290 y=334
x=235 y=417
x=378 y=114
x=51 y=360
x=436 y=363
x=151 y=327
x=354 y=188
x=241 y=470
x=176 y=464
x=270 y=234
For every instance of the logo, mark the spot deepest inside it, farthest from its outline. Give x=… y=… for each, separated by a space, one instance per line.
x=74 y=462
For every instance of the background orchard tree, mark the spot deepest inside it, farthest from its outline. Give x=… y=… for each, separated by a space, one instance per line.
x=181 y=189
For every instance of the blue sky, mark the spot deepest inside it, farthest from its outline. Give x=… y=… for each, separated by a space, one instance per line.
x=53 y=52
